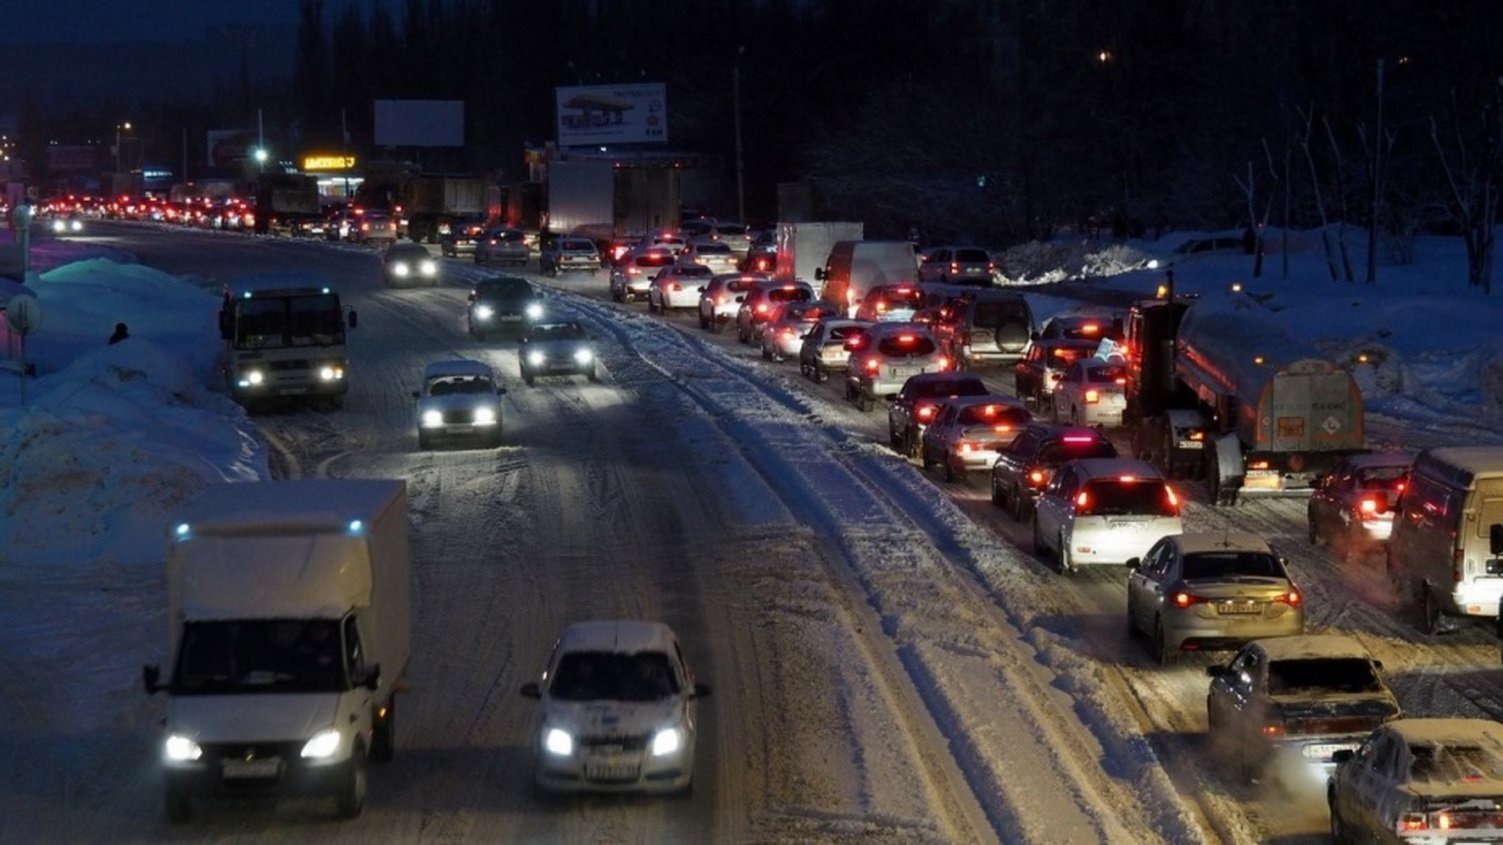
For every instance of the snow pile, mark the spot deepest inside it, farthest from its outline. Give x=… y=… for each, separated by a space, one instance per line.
x=1039 y=262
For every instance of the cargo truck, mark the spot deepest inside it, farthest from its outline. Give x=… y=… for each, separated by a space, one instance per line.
x=803 y=248
x=288 y=637
x=430 y=204
x=604 y=200
x=1226 y=395
x=285 y=343
x=287 y=204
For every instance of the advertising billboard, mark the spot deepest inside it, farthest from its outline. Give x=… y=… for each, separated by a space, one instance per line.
x=229 y=147
x=590 y=115
x=419 y=123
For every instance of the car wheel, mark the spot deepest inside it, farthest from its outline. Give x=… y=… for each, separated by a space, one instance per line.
x=863 y=401
x=766 y=353
x=821 y=375
x=179 y=808
x=897 y=443
x=1338 y=827
x=1018 y=509
x=1431 y=618
x=949 y=469
x=1162 y=655
x=1311 y=533
x=352 y=793
x=703 y=323
x=998 y=499
x=384 y=733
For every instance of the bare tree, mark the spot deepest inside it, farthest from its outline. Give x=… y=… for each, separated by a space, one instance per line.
x=1259 y=223
x=1319 y=196
x=1472 y=159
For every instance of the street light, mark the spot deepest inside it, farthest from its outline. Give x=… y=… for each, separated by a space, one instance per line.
x=261 y=157
x=118 y=127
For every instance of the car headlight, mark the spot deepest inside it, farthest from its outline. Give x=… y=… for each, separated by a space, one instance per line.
x=484 y=312
x=536 y=357
x=399 y=269
x=583 y=356
x=558 y=741
x=322 y=745
x=59 y=226
x=433 y=419
x=429 y=267
x=77 y=226
x=485 y=416
x=182 y=749
x=534 y=311
x=254 y=377
x=331 y=373
x=666 y=741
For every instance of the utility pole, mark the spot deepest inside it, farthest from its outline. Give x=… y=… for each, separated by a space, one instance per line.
x=1372 y=223
x=185 y=154
x=736 y=100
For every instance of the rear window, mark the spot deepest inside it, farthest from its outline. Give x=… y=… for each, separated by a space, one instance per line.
x=1384 y=478
x=1453 y=764
x=845 y=332
x=740 y=285
x=1115 y=497
x=1000 y=313
x=906 y=345
x=1056 y=453
x=730 y=229
x=992 y=415
x=1227 y=564
x=692 y=270
x=508 y=235
x=1337 y=674
x=972 y=256
x=789 y=295
x=911 y=297
x=577 y=246
x=952 y=387
x=654 y=259
x=716 y=248
x=1106 y=375
x=1061 y=357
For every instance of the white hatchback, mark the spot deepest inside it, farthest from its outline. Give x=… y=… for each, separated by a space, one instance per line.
x=1093 y=391
x=618 y=711
x=1104 y=511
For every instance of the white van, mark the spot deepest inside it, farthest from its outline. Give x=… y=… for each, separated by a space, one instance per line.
x=1446 y=552
x=855 y=267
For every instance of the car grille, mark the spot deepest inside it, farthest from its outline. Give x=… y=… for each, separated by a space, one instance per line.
x=626 y=743
x=461 y=416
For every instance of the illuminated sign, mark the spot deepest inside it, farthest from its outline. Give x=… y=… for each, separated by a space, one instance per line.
x=328 y=162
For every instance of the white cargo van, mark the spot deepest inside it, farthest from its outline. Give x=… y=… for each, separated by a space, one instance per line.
x=855 y=267
x=288 y=635
x=1446 y=552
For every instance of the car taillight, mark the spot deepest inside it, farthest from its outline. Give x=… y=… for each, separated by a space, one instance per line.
x=905 y=340
x=1291 y=598
x=1092 y=396
x=881 y=306
x=787 y=331
x=1368 y=508
x=1001 y=429
x=761 y=308
x=1173 y=499
x=1413 y=821
x=873 y=365
x=924 y=412
x=1037 y=478
x=761 y=264
x=943 y=362
x=965 y=447
x=1273 y=730
x=1183 y=599
x=674 y=287
x=720 y=300
x=954 y=266
x=1197 y=435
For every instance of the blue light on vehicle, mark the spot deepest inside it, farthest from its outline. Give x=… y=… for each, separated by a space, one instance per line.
x=182 y=529
x=356 y=526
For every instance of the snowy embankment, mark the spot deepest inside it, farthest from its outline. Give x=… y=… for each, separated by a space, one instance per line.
x=1048 y=751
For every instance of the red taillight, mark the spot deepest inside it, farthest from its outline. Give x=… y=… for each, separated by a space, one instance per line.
x=943 y=362
x=881 y=306
x=1121 y=381
x=1413 y=821
x=873 y=365
x=1083 y=500
x=761 y=308
x=720 y=300
x=1291 y=598
x=787 y=332
x=365 y=227
x=1273 y=730
x=905 y=339
x=1079 y=438
x=1399 y=487
x=761 y=264
x=674 y=287
x=1037 y=478
x=1197 y=435
x=1002 y=429
x=1173 y=499
x=965 y=447
x=1090 y=328
x=1183 y=599
x=954 y=267
x=1368 y=508
x=1092 y=396
x=924 y=412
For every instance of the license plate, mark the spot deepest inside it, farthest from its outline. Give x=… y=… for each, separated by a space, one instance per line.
x=1325 y=750
x=264 y=768
x=611 y=771
x=1189 y=444
x=1239 y=608
x=292 y=391
x=461 y=428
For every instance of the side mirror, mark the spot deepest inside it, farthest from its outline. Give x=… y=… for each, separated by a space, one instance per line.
x=372 y=679
x=531 y=690
x=1495 y=538
x=150 y=676
x=1133 y=563
x=701 y=691
x=471 y=297
x=1216 y=671
x=354 y=319
x=1342 y=756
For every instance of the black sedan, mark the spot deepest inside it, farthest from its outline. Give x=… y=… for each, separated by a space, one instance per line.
x=503 y=304
x=557 y=349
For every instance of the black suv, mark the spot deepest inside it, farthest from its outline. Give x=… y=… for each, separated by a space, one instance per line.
x=1027 y=464
x=918 y=402
x=503 y=304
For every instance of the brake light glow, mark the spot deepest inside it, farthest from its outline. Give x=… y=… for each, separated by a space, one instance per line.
x=1002 y=429
x=873 y=365
x=1090 y=328
x=674 y=287
x=1273 y=730
x=1183 y=599
x=1127 y=478
x=1079 y=438
x=881 y=306
x=905 y=339
x=1443 y=821
x=1083 y=500
x=1197 y=435
x=1121 y=381
x=965 y=447
x=1258 y=465
x=1413 y=821
x=1173 y=499
x=1092 y=396
x=924 y=412
x=1037 y=478
x=943 y=362
x=1368 y=507
x=761 y=308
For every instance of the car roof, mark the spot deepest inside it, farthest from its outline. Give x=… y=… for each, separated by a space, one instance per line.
x=986 y=399
x=1220 y=541
x=626 y=636
x=1115 y=467
x=1312 y=647
x=1440 y=731
x=1366 y=460
x=458 y=367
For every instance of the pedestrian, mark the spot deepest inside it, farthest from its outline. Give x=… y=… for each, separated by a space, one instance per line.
x=121 y=333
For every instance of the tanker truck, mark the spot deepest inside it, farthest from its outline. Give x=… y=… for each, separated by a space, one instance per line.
x=1226 y=395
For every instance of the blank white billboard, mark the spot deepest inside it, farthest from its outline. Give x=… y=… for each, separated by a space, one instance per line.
x=612 y=114
x=419 y=123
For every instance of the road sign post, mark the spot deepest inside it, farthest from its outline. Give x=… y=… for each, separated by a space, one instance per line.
x=24 y=316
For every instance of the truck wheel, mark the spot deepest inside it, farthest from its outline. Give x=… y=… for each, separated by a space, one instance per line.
x=593 y=374
x=383 y=733
x=1432 y=620
x=177 y=804
x=352 y=792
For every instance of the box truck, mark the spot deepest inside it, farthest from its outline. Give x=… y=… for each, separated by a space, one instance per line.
x=803 y=249
x=855 y=267
x=288 y=635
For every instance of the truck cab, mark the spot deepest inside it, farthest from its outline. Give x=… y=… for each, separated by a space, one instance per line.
x=285 y=343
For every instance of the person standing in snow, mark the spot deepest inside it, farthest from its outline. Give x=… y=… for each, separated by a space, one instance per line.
x=121 y=333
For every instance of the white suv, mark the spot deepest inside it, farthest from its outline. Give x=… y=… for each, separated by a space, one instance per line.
x=618 y=711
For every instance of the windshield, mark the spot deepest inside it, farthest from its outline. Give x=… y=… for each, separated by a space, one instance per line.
x=262 y=655
x=999 y=313
x=1452 y=763
x=972 y=256
x=1336 y=674
x=265 y=322
x=503 y=289
x=556 y=331
x=1231 y=564
x=1106 y=375
x=577 y=246
x=840 y=334
x=451 y=385
x=610 y=676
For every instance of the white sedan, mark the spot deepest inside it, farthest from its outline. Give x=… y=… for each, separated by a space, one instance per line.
x=459 y=399
x=678 y=286
x=1093 y=391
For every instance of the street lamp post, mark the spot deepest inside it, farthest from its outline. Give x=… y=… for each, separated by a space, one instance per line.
x=119 y=126
x=736 y=100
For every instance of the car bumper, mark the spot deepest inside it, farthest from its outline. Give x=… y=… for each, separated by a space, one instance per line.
x=786 y=346
x=1109 y=547
x=1478 y=598
x=567 y=266
x=1183 y=632
x=1102 y=414
x=636 y=773
x=290 y=777
x=681 y=299
x=981 y=459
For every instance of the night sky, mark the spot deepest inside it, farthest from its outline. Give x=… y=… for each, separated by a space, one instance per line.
x=94 y=21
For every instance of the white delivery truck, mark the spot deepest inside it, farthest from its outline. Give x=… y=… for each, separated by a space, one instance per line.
x=803 y=248
x=855 y=267
x=288 y=635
